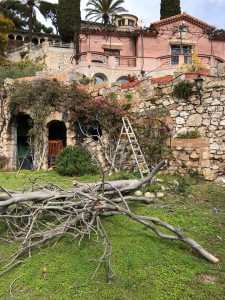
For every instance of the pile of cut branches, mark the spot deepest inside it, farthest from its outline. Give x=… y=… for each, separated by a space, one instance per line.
x=44 y=213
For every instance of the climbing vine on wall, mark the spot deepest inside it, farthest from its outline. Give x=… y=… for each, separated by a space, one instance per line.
x=41 y=97
x=154 y=135
x=38 y=99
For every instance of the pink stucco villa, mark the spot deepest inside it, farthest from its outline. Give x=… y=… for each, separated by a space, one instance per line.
x=110 y=54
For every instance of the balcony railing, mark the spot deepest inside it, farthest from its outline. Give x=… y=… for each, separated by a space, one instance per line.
x=97 y=57
x=125 y=61
x=61 y=45
x=147 y=63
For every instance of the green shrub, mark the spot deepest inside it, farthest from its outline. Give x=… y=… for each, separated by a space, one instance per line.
x=23 y=53
x=112 y=96
x=183 y=90
x=86 y=80
x=18 y=70
x=75 y=161
x=129 y=96
x=192 y=134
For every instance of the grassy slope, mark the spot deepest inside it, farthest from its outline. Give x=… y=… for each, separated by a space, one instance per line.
x=146 y=266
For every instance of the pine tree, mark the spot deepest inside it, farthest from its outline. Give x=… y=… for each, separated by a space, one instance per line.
x=169 y=8
x=69 y=19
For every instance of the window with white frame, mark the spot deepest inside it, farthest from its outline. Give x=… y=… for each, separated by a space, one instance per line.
x=177 y=50
x=130 y=22
x=114 y=52
x=121 y=22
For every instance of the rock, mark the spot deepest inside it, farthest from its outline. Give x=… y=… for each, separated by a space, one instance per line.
x=149 y=195
x=175 y=182
x=174 y=113
x=208 y=101
x=184 y=114
x=160 y=195
x=206 y=122
x=180 y=121
x=159 y=180
x=166 y=103
x=138 y=193
x=194 y=155
x=194 y=120
x=215 y=102
x=163 y=188
x=200 y=109
x=215 y=146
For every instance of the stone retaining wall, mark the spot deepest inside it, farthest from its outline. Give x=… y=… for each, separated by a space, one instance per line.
x=205 y=114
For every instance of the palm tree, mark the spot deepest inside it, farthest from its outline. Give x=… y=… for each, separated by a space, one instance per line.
x=31 y=14
x=104 y=9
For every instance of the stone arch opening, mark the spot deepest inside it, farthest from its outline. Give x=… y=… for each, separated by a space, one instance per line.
x=122 y=79
x=26 y=39
x=42 y=40
x=11 y=37
x=100 y=78
x=56 y=140
x=19 y=38
x=24 y=157
x=35 y=40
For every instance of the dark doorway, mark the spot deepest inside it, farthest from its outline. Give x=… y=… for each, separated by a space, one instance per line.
x=56 y=140
x=57 y=131
x=24 y=124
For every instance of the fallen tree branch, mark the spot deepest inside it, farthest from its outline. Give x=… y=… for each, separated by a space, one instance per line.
x=76 y=213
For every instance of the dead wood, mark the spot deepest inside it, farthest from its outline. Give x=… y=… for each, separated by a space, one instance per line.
x=76 y=213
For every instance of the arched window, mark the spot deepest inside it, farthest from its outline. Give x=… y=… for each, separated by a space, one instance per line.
x=122 y=79
x=100 y=78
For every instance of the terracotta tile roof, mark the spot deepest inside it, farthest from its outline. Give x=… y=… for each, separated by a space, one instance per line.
x=183 y=16
x=126 y=85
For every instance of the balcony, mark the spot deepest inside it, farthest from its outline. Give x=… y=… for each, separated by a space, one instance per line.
x=105 y=60
x=131 y=63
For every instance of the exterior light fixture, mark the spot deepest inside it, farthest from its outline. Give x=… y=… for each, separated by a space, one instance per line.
x=182 y=30
x=142 y=73
x=199 y=82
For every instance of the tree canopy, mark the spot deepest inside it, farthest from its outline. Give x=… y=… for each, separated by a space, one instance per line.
x=169 y=8
x=23 y=14
x=5 y=26
x=69 y=19
x=104 y=9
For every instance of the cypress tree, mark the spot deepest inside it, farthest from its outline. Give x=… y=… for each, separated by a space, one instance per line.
x=169 y=8
x=69 y=20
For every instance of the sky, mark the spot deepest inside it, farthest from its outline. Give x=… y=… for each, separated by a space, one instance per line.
x=209 y=11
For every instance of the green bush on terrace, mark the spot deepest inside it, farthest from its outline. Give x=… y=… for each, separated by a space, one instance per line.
x=18 y=70
x=75 y=161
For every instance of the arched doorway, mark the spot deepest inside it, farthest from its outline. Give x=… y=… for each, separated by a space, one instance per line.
x=24 y=124
x=56 y=140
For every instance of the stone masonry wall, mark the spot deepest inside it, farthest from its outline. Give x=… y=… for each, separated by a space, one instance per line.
x=207 y=115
